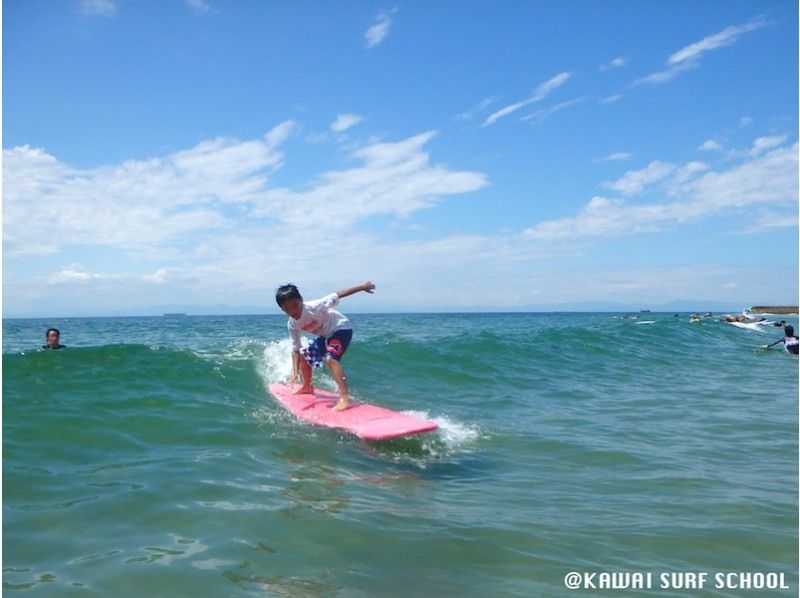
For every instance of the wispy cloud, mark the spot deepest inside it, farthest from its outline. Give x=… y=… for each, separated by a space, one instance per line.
x=540 y=116
x=612 y=98
x=635 y=181
x=199 y=6
x=75 y=273
x=476 y=109
x=615 y=157
x=394 y=179
x=769 y=220
x=689 y=56
x=345 y=121
x=98 y=7
x=616 y=63
x=760 y=146
x=764 y=144
x=379 y=30
x=710 y=145
x=724 y=38
x=694 y=191
x=665 y=75
x=541 y=92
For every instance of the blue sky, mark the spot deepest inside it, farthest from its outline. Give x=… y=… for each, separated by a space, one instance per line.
x=461 y=155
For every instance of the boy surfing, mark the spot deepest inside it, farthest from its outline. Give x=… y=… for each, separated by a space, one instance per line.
x=333 y=332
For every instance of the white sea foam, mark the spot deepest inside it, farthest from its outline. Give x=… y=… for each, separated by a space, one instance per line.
x=275 y=365
x=453 y=435
x=243 y=349
x=748 y=326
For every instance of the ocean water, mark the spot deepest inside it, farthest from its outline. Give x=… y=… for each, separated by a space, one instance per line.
x=148 y=458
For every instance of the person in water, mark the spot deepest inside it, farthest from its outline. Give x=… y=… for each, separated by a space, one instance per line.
x=790 y=342
x=52 y=336
x=333 y=332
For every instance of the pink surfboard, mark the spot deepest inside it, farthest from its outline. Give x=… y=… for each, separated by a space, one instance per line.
x=362 y=419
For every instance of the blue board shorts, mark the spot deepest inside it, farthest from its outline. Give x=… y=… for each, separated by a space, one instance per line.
x=322 y=348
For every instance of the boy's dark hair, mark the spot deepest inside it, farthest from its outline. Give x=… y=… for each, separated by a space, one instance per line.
x=287 y=292
x=789 y=331
x=49 y=330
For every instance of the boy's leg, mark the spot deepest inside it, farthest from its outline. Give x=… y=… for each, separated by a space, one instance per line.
x=341 y=382
x=336 y=346
x=307 y=373
x=312 y=357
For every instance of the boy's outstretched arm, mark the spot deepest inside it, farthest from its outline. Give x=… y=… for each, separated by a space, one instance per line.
x=367 y=287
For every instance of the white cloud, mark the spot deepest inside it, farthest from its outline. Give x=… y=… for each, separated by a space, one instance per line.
x=379 y=30
x=540 y=116
x=159 y=276
x=198 y=6
x=345 y=121
x=219 y=185
x=686 y=173
x=198 y=223
x=541 y=92
x=710 y=145
x=394 y=179
x=601 y=216
x=478 y=108
x=202 y=221
x=135 y=204
x=689 y=56
x=767 y=180
x=666 y=75
x=725 y=37
x=98 y=7
x=616 y=63
x=769 y=220
x=635 y=181
x=612 y=98
x=76 y=273
x=615 y=157
x=760 y=146
x=763 y=144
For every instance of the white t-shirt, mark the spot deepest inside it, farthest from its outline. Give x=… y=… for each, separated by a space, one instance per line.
x=318 y=318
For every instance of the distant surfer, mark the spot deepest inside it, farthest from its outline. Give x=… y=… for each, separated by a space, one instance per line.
x=52 y=336
x=790 y=342
x=333 y=332
x=737 y=318
x=745 y=319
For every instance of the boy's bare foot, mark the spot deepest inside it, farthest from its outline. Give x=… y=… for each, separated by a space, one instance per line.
x=305 y=390
x=342 y=404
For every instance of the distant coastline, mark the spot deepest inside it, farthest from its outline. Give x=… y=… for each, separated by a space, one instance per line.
x=773 y=309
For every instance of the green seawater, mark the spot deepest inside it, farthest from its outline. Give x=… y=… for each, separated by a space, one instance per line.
x=148 y=458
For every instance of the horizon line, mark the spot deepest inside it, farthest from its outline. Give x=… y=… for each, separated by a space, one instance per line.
x=444 y=311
